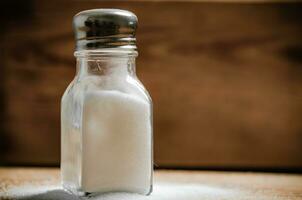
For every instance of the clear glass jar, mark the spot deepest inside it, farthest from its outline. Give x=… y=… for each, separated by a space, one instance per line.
x=106 y=126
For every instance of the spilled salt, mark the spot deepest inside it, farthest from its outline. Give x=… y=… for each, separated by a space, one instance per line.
x=162 y=191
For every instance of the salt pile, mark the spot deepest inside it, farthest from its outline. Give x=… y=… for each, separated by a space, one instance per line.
x=162 y=191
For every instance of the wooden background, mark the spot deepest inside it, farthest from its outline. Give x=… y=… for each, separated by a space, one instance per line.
x=225 y=78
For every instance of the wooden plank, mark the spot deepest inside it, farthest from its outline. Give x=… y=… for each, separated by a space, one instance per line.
x=225 y=79
x=43 y=183
x=225 y=1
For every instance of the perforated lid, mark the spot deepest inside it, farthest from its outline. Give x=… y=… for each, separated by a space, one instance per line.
x=105 y=28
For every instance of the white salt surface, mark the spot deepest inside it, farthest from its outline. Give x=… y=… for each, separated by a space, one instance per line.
x=116 y=143
x=111 y=148
x=162 y=191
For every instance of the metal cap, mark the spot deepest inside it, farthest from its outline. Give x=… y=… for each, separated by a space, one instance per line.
x=105 y=28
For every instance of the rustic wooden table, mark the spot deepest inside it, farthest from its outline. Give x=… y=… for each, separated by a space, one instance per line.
x=43 y=183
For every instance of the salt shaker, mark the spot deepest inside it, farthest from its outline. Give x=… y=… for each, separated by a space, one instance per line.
x=106 y=113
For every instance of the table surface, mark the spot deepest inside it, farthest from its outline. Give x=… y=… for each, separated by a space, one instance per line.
x=31 y=183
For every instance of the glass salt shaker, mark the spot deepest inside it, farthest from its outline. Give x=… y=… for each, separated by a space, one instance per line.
x=106 y=113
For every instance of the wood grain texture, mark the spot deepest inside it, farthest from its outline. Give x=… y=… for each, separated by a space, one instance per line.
x=225 y=79
x=205 y=185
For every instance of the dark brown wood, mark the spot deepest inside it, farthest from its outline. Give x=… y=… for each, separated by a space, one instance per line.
x=226 y=80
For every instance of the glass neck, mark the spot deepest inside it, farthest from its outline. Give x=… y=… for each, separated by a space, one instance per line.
x=110 y=64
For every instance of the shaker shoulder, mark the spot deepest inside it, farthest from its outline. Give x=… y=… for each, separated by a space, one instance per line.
x=137 y=88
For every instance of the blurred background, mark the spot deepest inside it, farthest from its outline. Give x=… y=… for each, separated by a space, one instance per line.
x=225 y=78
